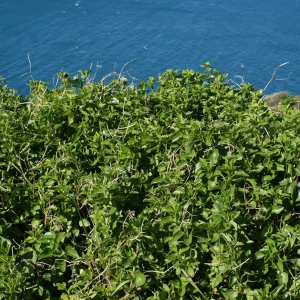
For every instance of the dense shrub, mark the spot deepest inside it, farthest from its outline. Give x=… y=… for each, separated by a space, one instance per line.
x=181 y=188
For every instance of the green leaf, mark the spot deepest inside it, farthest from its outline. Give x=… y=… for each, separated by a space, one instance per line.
x=139 y=279
x=35 y=223
x=165 y=287
x=282 y=278
x=280 y=265
x=119 y=286
x=190 y=271
x=208 y=141
x=177 y=136
x=125 y=150
x=216 y=281
x=267 y=178
x=84 y=223
x=241 y=174
x=166 y=220
x=216 y=237
x=259 y=255
x=232 y=294
x=232 y=280
x=176 y=237
x=214 y=156
x=45 y=253
x=61 y=286
x=72 y=252
x=49 y=235
x=59 y=237
x=40 y=290
x=168 y=208
x=29 y=254
x=188 y=146
x=179 y=191
x=64 y=297
x=61 y=265
x=157 y=180
x=277 y=209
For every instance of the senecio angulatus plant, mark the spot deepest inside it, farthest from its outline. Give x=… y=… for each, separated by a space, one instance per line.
x=181 y=187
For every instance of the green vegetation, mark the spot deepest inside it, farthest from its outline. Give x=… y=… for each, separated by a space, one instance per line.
x=181 y=188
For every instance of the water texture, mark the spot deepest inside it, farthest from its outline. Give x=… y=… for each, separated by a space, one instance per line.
x=246 y=38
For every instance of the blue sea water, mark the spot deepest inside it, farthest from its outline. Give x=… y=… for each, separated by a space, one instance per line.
x=241 y=38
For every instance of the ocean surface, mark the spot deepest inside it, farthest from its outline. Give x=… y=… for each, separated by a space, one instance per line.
x=245 y=39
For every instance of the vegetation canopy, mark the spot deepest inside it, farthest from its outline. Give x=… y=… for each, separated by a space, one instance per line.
x=185 y=187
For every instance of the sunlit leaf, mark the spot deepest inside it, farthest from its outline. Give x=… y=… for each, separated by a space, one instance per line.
x=232 y=294
x=139 y=279
x=282 y=278
x=277 y=209
x=71 y=251
x=49 y=235
x=259 y=255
